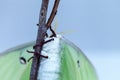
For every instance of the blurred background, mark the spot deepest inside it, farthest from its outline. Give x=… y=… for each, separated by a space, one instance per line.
x=96 y=26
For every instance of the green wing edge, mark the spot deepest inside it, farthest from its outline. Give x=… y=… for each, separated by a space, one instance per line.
x=10 y=66
x=74 y=64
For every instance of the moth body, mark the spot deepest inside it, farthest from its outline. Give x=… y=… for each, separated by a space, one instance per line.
x=50 y=68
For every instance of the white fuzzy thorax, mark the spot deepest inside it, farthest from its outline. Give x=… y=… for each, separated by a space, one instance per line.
x=50 y=68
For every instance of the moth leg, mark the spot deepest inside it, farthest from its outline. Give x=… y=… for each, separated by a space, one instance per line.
x=53 y=32
x=48 y=41
x=37 y=53
x=30 y=58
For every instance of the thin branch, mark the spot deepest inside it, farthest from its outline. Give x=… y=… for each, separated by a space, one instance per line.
x=42 y=29
x=40 y=40
x=53 y=13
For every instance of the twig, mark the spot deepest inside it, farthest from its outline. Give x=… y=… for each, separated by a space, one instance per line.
x=40 y=39
x=53 y=13
x=41 y=35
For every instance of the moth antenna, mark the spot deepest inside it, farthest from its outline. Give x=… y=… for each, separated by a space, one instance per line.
x=55 y=25
x=66 y=32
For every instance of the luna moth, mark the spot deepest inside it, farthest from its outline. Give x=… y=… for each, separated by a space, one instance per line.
x=65 y=62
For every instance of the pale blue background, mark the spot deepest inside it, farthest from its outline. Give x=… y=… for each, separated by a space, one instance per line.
x=96 y=24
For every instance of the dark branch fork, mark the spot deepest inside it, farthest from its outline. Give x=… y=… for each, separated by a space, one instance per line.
x=42 y=30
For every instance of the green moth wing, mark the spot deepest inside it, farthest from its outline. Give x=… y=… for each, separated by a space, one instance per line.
x=10 y=66
x=74 y=64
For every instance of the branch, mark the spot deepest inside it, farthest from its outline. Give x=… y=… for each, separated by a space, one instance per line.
x=53 y=13
x=42 y=29
x=40 y=40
